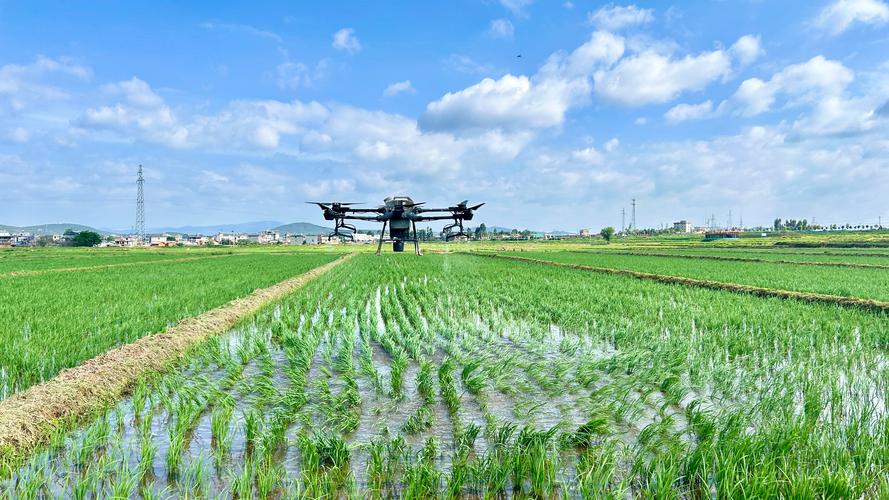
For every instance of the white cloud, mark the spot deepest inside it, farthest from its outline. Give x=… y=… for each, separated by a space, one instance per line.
x=399 y=88
x=804 y=82
x=602 y=50
x=839 y=16
x=616 y=17
x=512 y=102
x=465 y=64
x=292 y=74
x=685 y=112
x=588 y=156
x=650 y=77
x=346 y=40
x=135 y=92
x=517 y=7
x=501 y=28
x=242 y=28
x=612 y=145
x=21 y=85
x=19 y=135
x=747 y=49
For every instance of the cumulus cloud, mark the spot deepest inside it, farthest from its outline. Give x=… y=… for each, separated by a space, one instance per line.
x=587 y=156
x=805 y=82
x=616 y=17
x=21 y=85
x=747 y=49
x=346 y=40
x=685 y=112
x=650 y=77
x=601 y=51
x=135 y=92
x=840 y=15
x=403 y=87
x=293 y=74
x=501 y=28
x=511 y=102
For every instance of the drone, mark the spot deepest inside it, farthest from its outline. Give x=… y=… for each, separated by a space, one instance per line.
x=401 y=214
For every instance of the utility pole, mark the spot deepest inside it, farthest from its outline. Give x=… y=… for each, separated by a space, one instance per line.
x=140 y=207
x=741 y=222
x=623 y=219
x=633 y=217
x=729 y=225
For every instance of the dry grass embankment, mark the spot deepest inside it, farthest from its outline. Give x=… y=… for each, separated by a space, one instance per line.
x=29 y=418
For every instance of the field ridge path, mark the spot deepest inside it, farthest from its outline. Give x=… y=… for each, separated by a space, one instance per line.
x=859 y=265
x=38 y=272
x=717 y=285
x=29 y=418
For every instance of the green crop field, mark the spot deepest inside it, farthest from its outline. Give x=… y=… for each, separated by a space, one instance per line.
x=869 y=283
x=53 y=321
x=456 y=375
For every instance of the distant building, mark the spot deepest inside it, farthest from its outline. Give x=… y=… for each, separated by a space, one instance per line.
x=682 y=226
x=5 y=240
x=585 y=233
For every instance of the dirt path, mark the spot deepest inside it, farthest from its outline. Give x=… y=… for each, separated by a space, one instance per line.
x=29 y=418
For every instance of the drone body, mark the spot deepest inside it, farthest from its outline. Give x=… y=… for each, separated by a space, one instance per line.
x=401 y=214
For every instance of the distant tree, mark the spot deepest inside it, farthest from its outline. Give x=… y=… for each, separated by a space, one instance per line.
x=44 y=240
x=86 y=239
x=607 y=233
x=778 y=224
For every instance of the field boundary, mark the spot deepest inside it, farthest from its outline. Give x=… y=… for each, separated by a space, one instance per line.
x=29 y=418
x=859 y=265
x=717 y=285
x=38 y=272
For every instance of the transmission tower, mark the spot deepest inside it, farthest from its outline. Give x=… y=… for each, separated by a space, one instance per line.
x=633 y=217
x=623 y=219
x=729 y=225
x=140 y=206
x=741 y=222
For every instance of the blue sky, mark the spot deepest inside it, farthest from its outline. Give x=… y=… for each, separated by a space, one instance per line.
x=243 y=111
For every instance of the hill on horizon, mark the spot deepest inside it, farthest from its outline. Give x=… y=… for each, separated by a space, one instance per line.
x=306 y=228
x=59 y=228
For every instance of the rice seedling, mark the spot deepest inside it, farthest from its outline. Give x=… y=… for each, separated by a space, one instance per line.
x=441 y=377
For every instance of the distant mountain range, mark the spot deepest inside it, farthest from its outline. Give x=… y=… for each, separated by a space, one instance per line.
x=52 y=229
x=302 y=228
x=306 y=228
x=241 y=227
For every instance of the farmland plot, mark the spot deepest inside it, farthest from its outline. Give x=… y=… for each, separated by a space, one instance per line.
x=865 y=283
x=453 y=375
x=58 y=320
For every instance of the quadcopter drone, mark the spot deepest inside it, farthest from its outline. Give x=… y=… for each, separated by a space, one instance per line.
x=401 y=214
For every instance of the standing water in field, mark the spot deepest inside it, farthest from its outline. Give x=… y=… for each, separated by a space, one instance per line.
x=415 y=381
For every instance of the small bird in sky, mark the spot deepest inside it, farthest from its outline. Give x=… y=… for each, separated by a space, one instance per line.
x=519 y=56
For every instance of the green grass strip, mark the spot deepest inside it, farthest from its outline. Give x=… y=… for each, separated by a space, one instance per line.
x=718 y=285
x=737 y=259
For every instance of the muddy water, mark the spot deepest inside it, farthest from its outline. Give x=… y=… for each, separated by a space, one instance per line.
x=380 y=416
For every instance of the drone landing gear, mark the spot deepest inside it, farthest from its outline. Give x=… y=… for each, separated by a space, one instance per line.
x=398 y=243
x=449 y=235
x=341 y=224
